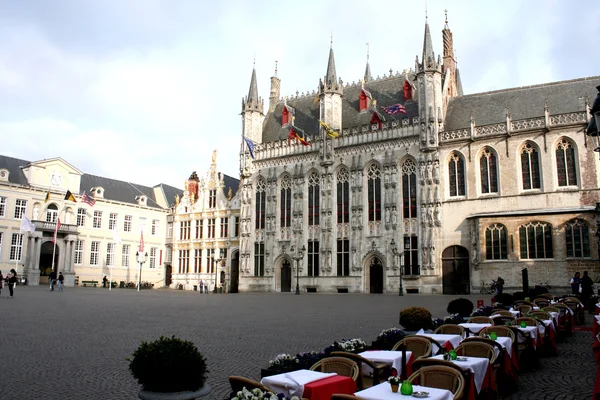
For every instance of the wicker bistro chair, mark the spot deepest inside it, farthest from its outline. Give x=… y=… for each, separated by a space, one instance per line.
x=502 y=313
x=450 y=329
x=441 y=377
x=345 y=397
x=481 y=320
x=551 y=308
x=547 y=296
x=541 y=314
x=522 y=302
x=420 y=346
x=565 y=327
x=340 y=365
x=237 y=383
x=529 y=321
x=499 y=331
x=380 y=371
x=428 y=362
x=523 y=308
x=577 y=308
x=476 y=349
x=541 y=302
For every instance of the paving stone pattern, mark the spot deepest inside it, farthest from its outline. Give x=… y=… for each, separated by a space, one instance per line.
x=74 y=344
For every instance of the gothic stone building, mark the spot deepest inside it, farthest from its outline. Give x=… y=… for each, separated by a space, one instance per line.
x=468 y=187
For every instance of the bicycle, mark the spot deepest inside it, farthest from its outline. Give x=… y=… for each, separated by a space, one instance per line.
x=487 y=288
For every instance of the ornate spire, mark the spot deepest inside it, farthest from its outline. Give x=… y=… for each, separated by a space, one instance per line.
x=368 y=76
x=331 y=76
x=428 y=55
x=253 y=91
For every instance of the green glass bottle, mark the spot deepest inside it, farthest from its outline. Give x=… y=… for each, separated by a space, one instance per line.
x=406 y=388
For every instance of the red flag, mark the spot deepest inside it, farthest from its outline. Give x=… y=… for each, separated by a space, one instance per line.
x=292 y=135
x=58 y=224
x=302 y=140
x=141 y=242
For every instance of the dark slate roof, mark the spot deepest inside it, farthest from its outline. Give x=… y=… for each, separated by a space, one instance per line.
x=113 y=189
x=15 y=173
x=523 y=102
x=169 y=192
x=386 y=91
x=230 y=182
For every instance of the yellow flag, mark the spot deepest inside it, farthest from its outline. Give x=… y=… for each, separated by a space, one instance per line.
x=47 y=197
x=69 y=196
x=328 y=130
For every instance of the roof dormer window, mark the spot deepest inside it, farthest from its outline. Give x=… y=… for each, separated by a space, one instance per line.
x=97 y=192
x=4 y=175
x=364 y=98
x=141 y=200
x=287 y=115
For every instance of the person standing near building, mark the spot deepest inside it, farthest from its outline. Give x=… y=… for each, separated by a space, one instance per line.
x=52 y=279
x=587 y=289
x=1 y=282
x=11 y=280
x=575 y=282
x=104 y=280
x=201 y=286
x=61 y=279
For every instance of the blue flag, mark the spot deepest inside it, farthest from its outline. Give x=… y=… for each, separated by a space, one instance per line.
x=250 y=144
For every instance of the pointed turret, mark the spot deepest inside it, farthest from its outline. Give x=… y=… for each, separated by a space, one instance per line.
x=275 y=90
x=428 y=61
x=450 y=72
x=331 y=76
x=253 y=91
x=253 y=112
x=368 y=77
x=331 y=91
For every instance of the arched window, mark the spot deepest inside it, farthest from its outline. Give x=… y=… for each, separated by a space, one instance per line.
x=52 y=213
x=313 y=199
x=530 y=167
x=536 y=240
x=343 y=195
x=456 y=170
x=259 y=207
x=488 y=169
x=285 y=202
x=496 y=247
x=577 y=238
x=565 y=164
x=374 y=192
x=409 y=189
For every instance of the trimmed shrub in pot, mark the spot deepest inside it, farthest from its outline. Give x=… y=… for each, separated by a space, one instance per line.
x=463 y=307
x=168 y=365
x=415 y=318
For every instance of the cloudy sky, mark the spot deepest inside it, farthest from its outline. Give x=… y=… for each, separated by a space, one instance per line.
x=145 y=90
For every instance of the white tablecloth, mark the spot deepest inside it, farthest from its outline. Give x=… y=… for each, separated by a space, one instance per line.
x=475 y=328
x=383 y=391
x=506 y=343
x=531 y=331
x=391 y=358
x=292 y=383
x=442 y=339
x=477 y=365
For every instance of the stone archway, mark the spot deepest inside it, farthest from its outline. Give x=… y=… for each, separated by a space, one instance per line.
x=455 y=270
x=286 y=276
x=235 y=272
x=375 y=276
x=45 y=264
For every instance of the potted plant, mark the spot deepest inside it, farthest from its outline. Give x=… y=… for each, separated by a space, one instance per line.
x=395 y=382
x=257 y=394
x=169 y=368
x=415 y=318
x=388 y=338
x=463 y=307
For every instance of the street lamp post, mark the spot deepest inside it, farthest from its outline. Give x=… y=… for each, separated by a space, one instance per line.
x=218 y=260
x=297 y=257
x=399 y=254
x=141 y=258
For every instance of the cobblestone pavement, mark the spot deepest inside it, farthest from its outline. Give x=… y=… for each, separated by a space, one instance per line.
x=73 y=344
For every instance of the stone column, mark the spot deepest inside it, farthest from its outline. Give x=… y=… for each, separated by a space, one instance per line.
x=33 y=273
x=69 y=272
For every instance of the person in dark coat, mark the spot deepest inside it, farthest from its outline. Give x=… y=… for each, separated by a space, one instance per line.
x=52 y=279
x=587 y=289
x=11 y=280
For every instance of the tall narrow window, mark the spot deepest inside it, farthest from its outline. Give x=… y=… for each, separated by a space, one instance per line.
x=411 y=256
x=488 y=171
x=285 y=202
x=81 y=216
x=153 y=257
x=199 y=226
x=2 y=206
x=155 y=225
x=577 y=239
x=313 y=258
x=259 y=207
x=496 y=242
x=112 y=221
x=456 y=172
x=343 y=257
x=224 y=227
x=97 y=221
x=237 y=227
x=127 y=223
x=566 y=164
x=52 y=213
x=313 y=199
x=142 y=221
x=110 y=254
x=212 y=198
x=94 y=253
x=20 y=207
x=343 y=196
x=409 y=189
x=125 y=251
x=211 y=228
x=210 y=261
x=184 y=230
x=374 y=192
x=184 y=261
x=530 y=167
x=197 y=261
x=78 y=255
x=259 y=259
x=16 y=247
x=536 y=240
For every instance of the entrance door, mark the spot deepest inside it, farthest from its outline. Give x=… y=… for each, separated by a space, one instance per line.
x=45 y=265
x=376 y=276
x=286 y=276
x=235 y=272
x=169 y=275
x=455 y=267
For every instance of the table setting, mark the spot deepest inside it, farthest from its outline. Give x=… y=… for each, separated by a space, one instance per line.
x=309 y=384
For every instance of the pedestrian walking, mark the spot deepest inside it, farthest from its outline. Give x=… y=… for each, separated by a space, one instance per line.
x=499 y=286
x=201 y=285
x=1 y=282
x=587 y=289
x=11 y=280
x=52 y=279
x=575 y=283
x=61 y=279
x=104 y=280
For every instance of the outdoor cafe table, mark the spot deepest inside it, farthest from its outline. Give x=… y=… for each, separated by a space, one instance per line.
x=391 y=358
x=383 y=391
x=478 y=367
x=312 y=385
x=473 y=327
x=532 y=332
x=448 y=342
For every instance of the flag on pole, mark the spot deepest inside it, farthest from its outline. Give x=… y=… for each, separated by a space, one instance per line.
x=141 y=242
x=88 y=199
x=394 y=109
x=329 y=130
x=47 y=197
x=27 y=225
x=69 y=196
x=58 y=225
x=250 y=145
x=302 y=140
x=116 y=236
x=292 y=135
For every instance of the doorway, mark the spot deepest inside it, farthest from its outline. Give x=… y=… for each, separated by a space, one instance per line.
x=286 y=276
x=235 y=272
x=45 y=265
x=376 y=276
x=455 y=269
x=169 y=275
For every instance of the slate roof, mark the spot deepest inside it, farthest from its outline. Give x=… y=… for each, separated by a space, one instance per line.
x=230 y=182
x=523 y=102
x=386 y=91
x=113 y=189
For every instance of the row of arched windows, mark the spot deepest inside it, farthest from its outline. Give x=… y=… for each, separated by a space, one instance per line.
x=535 y=239
x=529 y=161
